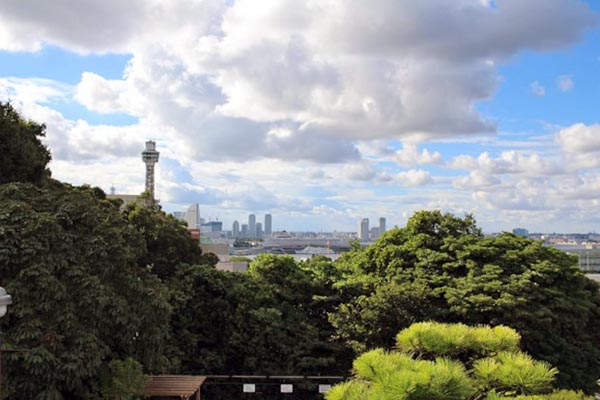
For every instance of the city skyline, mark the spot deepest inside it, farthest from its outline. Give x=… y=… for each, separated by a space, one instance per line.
x=473 y=106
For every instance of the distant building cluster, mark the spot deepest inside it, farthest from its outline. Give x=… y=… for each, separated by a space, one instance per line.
x=586 y=246
x=197 y=225
x=366 y=234
x=253 y=229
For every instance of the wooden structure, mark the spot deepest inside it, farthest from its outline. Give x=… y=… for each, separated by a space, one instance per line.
x=185 y=387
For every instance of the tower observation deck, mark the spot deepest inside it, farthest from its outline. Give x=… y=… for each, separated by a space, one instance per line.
x=150 y=158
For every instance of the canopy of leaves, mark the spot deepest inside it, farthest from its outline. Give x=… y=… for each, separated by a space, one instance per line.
x=24 y=158
x=120 y=379
x=166 y=240
x=499 y=369
x=439 y=267
x=265 y=322
x=69 y=258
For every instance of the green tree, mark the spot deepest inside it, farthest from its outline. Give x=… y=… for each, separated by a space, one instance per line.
x=301 y=299
x=24 y=157
x=70 y=260
x=167 y=242
x=121 y=379
x=437 y=361
x=440 y=267
x=267 y=321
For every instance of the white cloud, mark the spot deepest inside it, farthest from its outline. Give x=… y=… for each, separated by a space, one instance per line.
x=475 y=180
x=580 y=145
x=328 y=69
x=414 y=177
x=410 y=155
x=31 y=91
x=537 y=89
x=105 y=96
x=508 y=162
x=280 y=98
x=580 y=138
x=565 y=83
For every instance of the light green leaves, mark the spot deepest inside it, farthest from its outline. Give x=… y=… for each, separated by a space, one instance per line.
x=438 y=361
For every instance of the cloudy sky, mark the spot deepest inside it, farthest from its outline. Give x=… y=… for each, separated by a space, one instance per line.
x=321 y=111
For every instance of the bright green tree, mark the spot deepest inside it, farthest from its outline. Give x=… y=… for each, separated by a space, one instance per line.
x=24 y=157
x=440 y=267
x=436 y=361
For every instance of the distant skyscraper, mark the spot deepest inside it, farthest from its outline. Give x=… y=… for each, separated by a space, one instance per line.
x=259 y=231
x=245 y=230
x=381 y=225
x=363 y=229
x=235 y=231
x=268 y=227
x=192 y=216
x=150 y=158
x=252 y=225
x=374 y=233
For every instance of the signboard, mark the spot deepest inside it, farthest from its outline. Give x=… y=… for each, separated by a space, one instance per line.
x=324 y=388
x=249 y=388
x=287 y=388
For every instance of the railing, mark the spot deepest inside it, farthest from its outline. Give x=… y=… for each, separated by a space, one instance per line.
x=268 y=386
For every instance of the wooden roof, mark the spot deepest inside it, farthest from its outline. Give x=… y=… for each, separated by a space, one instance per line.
x=179 y=386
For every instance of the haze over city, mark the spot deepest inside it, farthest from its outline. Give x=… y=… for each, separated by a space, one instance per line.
x=300 y=110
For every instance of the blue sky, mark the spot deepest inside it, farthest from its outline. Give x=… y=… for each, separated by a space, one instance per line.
x=463 y=106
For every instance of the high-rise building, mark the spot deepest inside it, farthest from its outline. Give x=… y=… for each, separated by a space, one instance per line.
x=235 y=230
x=212 y=226
x=381 y=225
x=245 y=230
x=259 y=230
x=150 y=158
x=363 y=229
x=268 y=226
x=192 y=216
x=252 y=225
x=374 y=233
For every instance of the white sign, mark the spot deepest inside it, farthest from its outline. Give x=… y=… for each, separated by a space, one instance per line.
x=286 y=388
x=249 y=388
x=324 y=388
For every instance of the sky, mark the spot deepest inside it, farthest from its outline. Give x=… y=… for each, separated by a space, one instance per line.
x=321 y=112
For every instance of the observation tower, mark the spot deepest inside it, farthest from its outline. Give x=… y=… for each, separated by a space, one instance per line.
x=150 y=158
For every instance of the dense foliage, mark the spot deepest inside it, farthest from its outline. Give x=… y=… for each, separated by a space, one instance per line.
x=437 y=361
x=262 y=322
x=24 y=157
x=166 y=241
x=70 y=260
x=103 y=293
x=439 y=267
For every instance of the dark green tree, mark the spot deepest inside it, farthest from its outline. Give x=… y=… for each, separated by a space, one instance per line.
x=24 y=157
x=439 y=267
x=167 y=242
x=267 y=321
x=121 y=380
x=70 y=260
x=301 y=300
